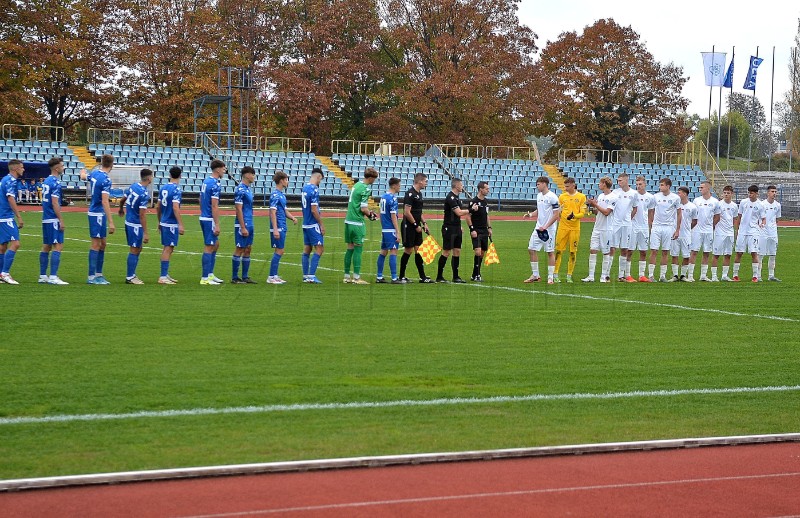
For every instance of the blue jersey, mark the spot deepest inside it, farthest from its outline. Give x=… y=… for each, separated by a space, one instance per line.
x=244 y=196
x=137 y=198
x=8 y=187
x=388 y=207
x=99 y=183
x=168 y=195
x=210 y=190
x=310 y=197
x=277 y=202
x=51 y=194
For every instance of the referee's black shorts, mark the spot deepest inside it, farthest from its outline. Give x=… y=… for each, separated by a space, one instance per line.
x=411 y=237
x=482 y=240
x=451 y=237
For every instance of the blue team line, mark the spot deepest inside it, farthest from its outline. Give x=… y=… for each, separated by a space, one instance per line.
x=300 y=407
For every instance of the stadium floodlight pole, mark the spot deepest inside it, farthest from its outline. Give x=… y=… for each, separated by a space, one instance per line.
x=708 y=132
x=733 y=59
x=771 y=105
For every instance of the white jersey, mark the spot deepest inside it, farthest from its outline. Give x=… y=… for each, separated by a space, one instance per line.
x=727 y=213
x=605 y=201
x=772 y=211
x=644 y=203
x=689 y=213
x=546 y=203
x=706 y=208
x=666 y=209
x=752 y=212
x=626 y=201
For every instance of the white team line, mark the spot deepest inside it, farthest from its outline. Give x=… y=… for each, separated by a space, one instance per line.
x=301 y=407
x=497 y=494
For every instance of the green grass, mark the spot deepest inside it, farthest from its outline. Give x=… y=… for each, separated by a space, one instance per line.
x=82 y=349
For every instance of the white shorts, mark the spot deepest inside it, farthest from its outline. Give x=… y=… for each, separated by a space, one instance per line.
x=621 y=237
x=640 y=239
x=600 y=240
x=769 y=246
x=747 y=243
x=723 y=245
x=537 y=244
x=680 y=247
x=703 y=240
x=661 y=238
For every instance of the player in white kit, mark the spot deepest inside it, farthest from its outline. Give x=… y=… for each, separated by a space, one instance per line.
x=543 y=237
x=665 y=224
x=769 y=236
x=725 y=220
x=640 y=237
x=751 y=221
x=601 y=237
x=703 y=232
x=681 y=246
x=622 y=225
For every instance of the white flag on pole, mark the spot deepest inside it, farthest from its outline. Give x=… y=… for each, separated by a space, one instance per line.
x=714 y=68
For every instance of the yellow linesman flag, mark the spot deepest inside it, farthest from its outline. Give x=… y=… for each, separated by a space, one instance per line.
x=491 y=256
x=428 y=249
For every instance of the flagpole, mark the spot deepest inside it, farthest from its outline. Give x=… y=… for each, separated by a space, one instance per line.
x=733 y=58
x=792 y=106
x=752 y=111
x=719 y=122
x=708 y=133
x=771 y=105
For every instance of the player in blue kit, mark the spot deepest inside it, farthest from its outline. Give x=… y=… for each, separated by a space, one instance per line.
x=390 y=232
x=133 y=207
x=170 y=224
x=9 y=229
x=313 y=228
x=52 y=224
x=277 y=224
x=100 y=222
x=209 y=221
x=243 y=229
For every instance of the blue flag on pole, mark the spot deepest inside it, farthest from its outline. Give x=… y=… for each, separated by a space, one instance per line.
x=728 y=82
x=750 y=81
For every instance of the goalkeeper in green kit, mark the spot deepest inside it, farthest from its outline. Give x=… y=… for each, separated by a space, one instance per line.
x=354 y=226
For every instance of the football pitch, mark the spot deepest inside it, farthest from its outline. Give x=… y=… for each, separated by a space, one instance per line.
x=121 y=377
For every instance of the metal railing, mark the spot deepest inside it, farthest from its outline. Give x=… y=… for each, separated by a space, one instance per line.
x=286 y=144
x=630 y=156
x=33 y=132
x=513 y=152
x=583 y=155
x=129 y=137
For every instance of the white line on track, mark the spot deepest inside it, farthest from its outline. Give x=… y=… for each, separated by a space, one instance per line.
x=299 y=407
x=497 y=494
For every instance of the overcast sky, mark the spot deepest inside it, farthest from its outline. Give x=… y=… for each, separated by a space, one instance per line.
x=678 y=31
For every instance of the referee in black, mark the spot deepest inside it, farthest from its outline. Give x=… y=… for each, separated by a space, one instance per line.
x=480 y=228
x=413 y=226
x=451 y=231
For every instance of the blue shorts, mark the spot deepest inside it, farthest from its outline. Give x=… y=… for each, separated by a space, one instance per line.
x=169 y=236
x=52 y=233
x=312 y=236
x=241 y=241
x=208 y=233
x=135 y=236
x=280 y=242
x=97 y=226
x=8 y=231
x=389 y=240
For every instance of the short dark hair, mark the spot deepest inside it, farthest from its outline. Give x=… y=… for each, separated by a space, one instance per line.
x=370 y=172
x=54 y=161
x=771 y=187
x=543 y=179
x=107 y=160
x=247 y=170
x=482 y=184
x=318 y=171
x=144 y=173
x=419 y=177
x=684 y=189
x=216 y=164
x=727 y=188
x=278 y=176
x=753 y=188
x=175 y=171
x=455 y=181
x=569 y=179
x=394 y=181
x=14 y=161
x=666 y=181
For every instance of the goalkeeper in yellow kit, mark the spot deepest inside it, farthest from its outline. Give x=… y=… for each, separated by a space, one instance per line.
x=573 y=209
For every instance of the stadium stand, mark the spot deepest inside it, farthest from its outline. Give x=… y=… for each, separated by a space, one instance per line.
x=42 y=151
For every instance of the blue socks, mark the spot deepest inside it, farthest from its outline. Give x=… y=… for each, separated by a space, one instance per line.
x=101 y=257
x=8 y=260
x=55 y=262
x=164 y=268
x=245 y=267
x=312 y=269
x=133 y=261
x=206 y=261
x=393 y=266
x=381 y=262
x=305 y=260
x=273 y=265
x=92 y=263
x=237 y=261
x=44 y=257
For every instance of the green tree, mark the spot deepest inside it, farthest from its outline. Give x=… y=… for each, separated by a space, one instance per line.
x=608 y=92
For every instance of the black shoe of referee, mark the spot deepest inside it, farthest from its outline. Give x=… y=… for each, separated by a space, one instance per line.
x=441 y=280
x=426 y=280
x=459 y=280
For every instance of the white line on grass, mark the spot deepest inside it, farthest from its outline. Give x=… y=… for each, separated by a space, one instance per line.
x=497 y=494
x=298 y=407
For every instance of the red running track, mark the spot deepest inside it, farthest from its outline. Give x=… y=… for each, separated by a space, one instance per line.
x=730 y=481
